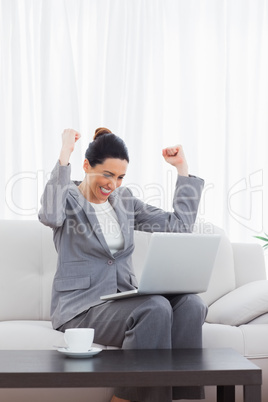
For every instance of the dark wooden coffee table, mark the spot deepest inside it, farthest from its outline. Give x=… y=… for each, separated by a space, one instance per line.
x=224 y=368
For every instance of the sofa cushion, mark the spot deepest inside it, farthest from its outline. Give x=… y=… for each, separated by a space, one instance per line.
x=27 y=266
x=262 y=319
x=222 y=279
x=248 y=340
x=255 y=341
x=33 y=335
x=29 y=335
x=241 y=305
x=249 y=263
x=222 y=336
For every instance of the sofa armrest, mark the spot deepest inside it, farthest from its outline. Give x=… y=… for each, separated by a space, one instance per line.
x=241 y=305
x=249 y=263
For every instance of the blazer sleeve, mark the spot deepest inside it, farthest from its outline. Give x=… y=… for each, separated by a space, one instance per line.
x=54 y=198
x=186 y=200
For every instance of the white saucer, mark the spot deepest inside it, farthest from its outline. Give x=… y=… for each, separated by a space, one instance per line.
x=80 y=355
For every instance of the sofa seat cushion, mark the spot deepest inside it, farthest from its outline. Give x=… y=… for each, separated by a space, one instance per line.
x=35 y=335
x=241 y=305
x=32 y=335
x=248 y=340
x=223 y=336
x=255 y=341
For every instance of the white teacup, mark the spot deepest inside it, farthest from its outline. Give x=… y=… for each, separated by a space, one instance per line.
x=79 y=339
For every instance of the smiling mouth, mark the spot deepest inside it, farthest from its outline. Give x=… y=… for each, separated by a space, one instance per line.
x=104 y=191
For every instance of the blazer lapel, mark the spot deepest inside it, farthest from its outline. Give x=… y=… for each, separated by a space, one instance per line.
x=91 y=216
x=122 y=217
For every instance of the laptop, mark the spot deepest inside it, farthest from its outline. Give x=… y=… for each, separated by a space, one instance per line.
x=175 y=263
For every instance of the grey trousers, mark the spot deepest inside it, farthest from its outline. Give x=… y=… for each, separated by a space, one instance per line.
x=148 y=322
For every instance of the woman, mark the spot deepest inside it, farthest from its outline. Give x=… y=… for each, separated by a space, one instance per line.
x=93 y=223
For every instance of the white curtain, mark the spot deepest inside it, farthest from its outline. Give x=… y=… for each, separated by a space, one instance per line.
x=157 y=73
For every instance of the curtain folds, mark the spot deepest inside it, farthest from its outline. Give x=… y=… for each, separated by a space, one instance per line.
x=157 y=73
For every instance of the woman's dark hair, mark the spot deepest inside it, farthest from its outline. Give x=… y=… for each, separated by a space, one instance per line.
x=105 y=145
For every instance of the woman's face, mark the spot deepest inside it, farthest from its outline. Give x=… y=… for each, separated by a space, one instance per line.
x=104 y=178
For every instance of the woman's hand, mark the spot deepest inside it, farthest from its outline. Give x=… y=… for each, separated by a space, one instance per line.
x=175 y=156
x=69 y=138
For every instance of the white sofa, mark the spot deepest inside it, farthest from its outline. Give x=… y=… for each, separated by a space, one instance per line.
x=237 y=299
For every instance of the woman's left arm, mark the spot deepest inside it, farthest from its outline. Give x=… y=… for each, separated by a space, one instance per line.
x=186 y=200
x=175 y=156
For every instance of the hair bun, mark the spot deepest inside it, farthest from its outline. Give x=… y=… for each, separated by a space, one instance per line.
x=100 y=131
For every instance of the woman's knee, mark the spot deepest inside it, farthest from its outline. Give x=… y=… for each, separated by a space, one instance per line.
x=159 y=306
x=198 y=304
x=155 y=309
x=149 y=325
x=191 y=303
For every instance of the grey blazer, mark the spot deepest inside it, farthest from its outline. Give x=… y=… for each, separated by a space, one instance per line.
x=86 y=269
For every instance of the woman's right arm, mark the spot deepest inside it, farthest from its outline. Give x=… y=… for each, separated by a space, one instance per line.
x=53 y=201
x=69 y=138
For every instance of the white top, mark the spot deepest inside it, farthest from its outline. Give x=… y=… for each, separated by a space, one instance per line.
x=109 y=225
